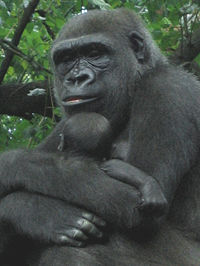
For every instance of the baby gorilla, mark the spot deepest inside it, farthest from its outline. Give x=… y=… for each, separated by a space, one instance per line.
x=91 y=135
x=87 y=134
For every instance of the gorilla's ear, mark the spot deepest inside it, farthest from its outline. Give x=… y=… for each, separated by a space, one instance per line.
x=138 y=46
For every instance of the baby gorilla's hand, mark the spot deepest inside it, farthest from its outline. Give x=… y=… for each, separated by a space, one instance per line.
x=153 y=201
x=48 y=220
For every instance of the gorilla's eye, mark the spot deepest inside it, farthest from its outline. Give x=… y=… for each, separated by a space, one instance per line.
x=94 y=53
x=64 y=66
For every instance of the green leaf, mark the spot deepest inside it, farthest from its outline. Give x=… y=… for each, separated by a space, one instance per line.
x=101 y=3
x=165 y=21
x=197 y=59
x=2 y=4
x=188 y=9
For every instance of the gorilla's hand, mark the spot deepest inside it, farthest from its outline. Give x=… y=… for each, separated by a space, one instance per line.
x=153 y=200
x=78 y=181
x=47 y=220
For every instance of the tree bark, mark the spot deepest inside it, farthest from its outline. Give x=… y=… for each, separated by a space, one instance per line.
x=14 y=99
x=28 y=11
x=187 y=52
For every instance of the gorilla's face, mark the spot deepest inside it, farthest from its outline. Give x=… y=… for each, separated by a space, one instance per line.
x=95 y=72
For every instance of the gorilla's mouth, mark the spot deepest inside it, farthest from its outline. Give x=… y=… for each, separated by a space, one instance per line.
x=71 y=101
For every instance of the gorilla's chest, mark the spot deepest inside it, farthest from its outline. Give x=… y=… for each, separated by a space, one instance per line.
x=121 y=146
x=120 y=150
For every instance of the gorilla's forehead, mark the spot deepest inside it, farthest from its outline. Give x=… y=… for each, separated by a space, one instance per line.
x=96 y=21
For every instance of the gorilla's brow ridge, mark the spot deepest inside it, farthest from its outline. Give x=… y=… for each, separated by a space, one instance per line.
x=80 y=43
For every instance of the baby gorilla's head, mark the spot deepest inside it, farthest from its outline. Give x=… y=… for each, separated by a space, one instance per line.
x=88 y=133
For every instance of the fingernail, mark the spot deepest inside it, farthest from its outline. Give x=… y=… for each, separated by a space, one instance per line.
x=103 y=169
x=63 y=238
x=86 y=215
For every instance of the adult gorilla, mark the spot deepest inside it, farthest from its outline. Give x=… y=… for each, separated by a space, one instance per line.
x=106 y=62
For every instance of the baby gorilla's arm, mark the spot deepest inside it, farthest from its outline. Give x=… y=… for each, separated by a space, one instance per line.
x=153 y=200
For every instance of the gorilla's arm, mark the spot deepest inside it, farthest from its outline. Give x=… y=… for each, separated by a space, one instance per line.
x=164 y=132
x=46 y=220
x=163 y=139
x=78 y=181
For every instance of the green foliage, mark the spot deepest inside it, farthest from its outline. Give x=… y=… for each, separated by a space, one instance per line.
x=197 y=59
x=100 y=3
x=16 y=132
x=170 y=21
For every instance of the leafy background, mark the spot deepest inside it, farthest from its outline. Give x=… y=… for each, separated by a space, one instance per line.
x=27 y=29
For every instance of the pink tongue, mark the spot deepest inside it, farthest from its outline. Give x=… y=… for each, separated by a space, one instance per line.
x=75 y=100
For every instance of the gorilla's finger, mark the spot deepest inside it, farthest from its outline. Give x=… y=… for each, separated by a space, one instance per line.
x=63 y=239
x=94 y=219
x=89 y=228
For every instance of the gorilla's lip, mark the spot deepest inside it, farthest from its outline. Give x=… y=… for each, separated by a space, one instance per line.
x=76 y=100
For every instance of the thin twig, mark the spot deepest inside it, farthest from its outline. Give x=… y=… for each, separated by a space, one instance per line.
x=6 y=45
x=26 y=17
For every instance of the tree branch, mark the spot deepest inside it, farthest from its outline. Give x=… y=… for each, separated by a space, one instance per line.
x=188 y=50
x=6 y=45
x=42 y=13
x=28 y=11
x=14 y=99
